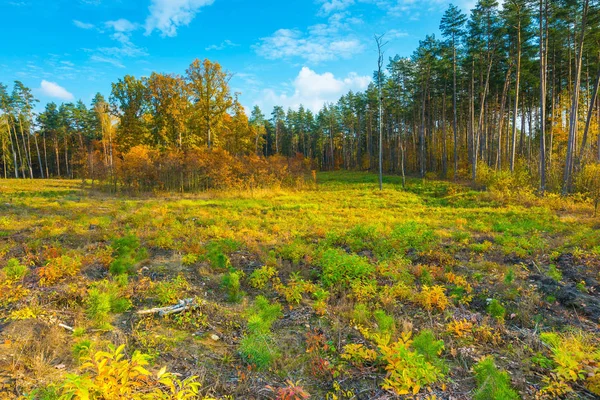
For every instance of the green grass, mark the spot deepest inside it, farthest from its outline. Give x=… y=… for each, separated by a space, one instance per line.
x=284 y=279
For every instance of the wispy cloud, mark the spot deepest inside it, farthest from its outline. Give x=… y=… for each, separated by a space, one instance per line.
x=223 y=45
x=321 y=42
x=112 y=61
x=120 y=31
x=329 y=6
x=83 y=25
x=54 y=90
x=166 y=16
x=122 y=25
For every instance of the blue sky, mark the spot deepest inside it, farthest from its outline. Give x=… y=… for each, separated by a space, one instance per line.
x=287 y=53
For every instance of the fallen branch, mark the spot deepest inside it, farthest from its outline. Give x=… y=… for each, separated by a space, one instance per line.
x=67 y=327
x=177 y=308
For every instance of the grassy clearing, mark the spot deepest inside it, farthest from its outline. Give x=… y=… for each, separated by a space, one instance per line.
x=340 y=291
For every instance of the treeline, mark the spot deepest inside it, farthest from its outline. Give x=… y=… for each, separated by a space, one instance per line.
x=510 y=89
x=164 y=132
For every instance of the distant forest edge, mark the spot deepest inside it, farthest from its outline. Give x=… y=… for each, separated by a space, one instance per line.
x=508 y=93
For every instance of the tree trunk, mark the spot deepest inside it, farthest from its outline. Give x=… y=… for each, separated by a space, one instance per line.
x=516 y=106
x=588 y=122
x=501 y=117
x=574 y=105
x=542 y=165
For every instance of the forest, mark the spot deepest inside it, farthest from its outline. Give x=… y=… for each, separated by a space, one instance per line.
x=161 y=243
x=511 y=88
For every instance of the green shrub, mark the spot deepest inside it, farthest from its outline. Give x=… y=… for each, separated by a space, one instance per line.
x=169 y=292
x=262 y=315
x=189 y=259
x=105 y=297
x=492 y=384
x=555 y=273
x=412 y=235
x=426 y=344
x=216 y=253
x=361 y=314
x=14 y=270
x=258 y=350
x=496 y=309
x=232 y=284
x=341 y=269
x=260 y=277
x=128 y=253
x=295 y=251
x=385 y=323
x=408 y=371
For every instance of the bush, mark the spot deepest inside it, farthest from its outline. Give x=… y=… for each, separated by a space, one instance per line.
x=105 y=297
x=408 y=371
x=492 y=384
x=262 y=315
x=430 y=348
x=576 y=358
x=189 y=259
x=588 y=182
x=110 y=375
x=59 y=268
x=14 y=270
x=260 y=277
x=257 y=348
x=169 y=292
x=232 y=284
x=433 y=297
x=258 y=351
x=128 y=253
x=496 y=309
x=341 y=269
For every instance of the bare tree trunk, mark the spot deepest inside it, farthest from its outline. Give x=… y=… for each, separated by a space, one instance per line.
x=542 y=103
x=37 y=147
x=18 y=159
x=57 y=156
x=4 y=156
x=27 y=153
x=588 y=122
x=501 y=117
x=574 y=105
x=45 y=155
x=455 y=111
x=16 y=165
x=444 y=144
x=380 y=45
x=481 y=115
x=516 y=107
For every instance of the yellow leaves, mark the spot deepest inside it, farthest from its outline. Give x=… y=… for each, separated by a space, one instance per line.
x=358 y=354
x=460 y=328
x=433 y=297
x=110 y=375
x=576 y=359
x=407 y=370
x=58 y=268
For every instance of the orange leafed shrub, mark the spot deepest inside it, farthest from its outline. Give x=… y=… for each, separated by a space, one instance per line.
x=58 y=268
x=145 y=169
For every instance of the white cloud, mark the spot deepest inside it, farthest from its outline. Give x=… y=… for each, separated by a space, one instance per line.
x=334 y=5
x=322 y=42
x=52 y=89
x=122 y=25
x=224 y=44
x=112 y=61
x=83 y=25
x=313 y=90
x=168 y=15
